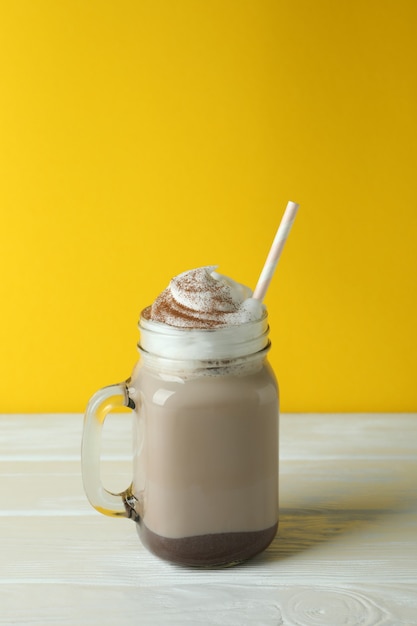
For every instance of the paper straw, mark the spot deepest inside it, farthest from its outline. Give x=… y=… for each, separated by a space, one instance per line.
x=275 y=251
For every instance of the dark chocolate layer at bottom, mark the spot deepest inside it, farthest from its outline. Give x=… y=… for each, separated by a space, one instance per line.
x=208 y=550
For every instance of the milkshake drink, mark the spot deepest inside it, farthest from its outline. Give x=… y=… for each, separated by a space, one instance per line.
x=205 y=471
x=205 y=468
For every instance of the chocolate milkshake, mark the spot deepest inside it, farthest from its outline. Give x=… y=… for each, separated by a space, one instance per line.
x=205 y=404
x=205 y=485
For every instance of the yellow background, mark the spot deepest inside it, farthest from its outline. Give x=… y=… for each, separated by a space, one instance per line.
x=140 y=138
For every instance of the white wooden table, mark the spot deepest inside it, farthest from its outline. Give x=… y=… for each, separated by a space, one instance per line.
x=345 y=554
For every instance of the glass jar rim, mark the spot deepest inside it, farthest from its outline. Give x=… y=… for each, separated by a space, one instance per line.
x=225 y=342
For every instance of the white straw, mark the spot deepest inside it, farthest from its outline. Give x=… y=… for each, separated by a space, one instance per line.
x=275 y=251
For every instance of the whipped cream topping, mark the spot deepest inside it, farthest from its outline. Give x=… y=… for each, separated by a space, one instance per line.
x=202 y=298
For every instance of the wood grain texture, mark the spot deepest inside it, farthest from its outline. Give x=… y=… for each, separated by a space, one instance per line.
x=345 y=553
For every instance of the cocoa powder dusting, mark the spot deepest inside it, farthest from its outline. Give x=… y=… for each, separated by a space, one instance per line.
x=196 y=299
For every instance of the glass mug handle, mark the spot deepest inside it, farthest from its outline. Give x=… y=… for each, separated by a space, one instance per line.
x=99 y=406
